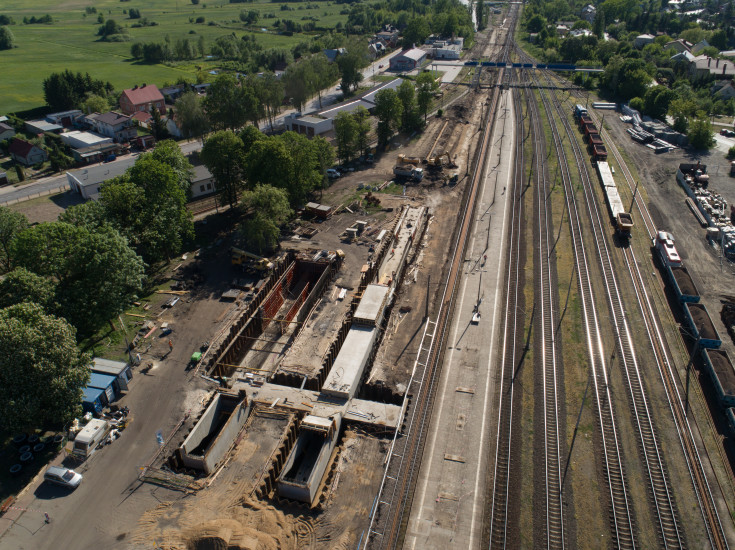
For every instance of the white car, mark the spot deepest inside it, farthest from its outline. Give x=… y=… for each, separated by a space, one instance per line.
x=63 y=476
x=332 y=173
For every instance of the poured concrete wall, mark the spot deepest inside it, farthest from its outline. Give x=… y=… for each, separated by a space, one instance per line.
x=304 y=486
x=208 y=457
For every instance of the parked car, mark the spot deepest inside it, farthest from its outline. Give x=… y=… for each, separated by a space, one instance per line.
x=332 y=173
x=63 y=476
x=727 y=133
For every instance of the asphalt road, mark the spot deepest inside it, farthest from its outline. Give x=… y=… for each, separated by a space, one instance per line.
x=450 y=493
x=104 y=510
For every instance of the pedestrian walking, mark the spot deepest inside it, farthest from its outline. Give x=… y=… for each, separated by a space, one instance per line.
x=170 y=345
x=46 y=518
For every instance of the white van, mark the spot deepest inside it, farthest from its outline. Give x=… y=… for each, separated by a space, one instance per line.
x=90 y=437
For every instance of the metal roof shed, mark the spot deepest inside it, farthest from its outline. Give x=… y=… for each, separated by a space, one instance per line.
x=92 y=399
x=119 y=369
x=104 y=382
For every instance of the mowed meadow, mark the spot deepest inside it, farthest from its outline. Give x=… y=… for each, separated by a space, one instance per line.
x=71 y=41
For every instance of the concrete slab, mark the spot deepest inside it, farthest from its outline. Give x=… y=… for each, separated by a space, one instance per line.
x=371 y=306
x=350 y=363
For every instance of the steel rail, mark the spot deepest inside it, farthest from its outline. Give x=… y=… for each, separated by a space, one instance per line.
x=621 y=514
x=651 y=454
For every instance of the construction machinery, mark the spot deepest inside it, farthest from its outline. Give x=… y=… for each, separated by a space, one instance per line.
x=403 y=159
x=240 y=257
x=440 y=161
x=408 y=171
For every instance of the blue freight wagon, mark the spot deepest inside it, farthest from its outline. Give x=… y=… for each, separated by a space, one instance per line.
x=700 y=325
x=683 y=284
x=719 y=367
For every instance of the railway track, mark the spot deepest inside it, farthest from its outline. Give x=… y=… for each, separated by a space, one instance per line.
x=550 y=354
x=664 y=507
x=666 y=367
x=500 y=512
x=621 y=516
x=394 y=496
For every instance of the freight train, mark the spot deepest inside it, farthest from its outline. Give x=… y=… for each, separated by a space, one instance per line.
x=623 y=220
x=698 y=324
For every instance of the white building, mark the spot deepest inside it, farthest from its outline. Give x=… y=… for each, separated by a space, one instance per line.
x=309 y=125
x=81 y=140
x=202 y=182
x=408 y=60
x=87 y=181
x=643 y=39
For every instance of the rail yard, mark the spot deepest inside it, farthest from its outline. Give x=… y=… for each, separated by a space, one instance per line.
x=500 y=356
x=521 y=346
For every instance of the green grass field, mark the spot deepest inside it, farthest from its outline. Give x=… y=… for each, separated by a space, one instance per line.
x=71 y=41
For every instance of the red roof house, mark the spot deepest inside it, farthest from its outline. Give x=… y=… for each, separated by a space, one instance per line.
x=26 y=153
x=142 y=98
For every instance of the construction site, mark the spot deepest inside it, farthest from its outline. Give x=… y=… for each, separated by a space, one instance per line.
x=309 y=393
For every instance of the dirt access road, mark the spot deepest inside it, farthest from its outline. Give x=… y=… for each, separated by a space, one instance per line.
x=101 y=512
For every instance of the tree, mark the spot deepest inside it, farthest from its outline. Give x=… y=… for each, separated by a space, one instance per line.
x=416 y=32
x=269 y=91
x=21 y=285
x=170 y=154
x=223 y=156
x=11 y=224
x=388 y=110
x=345 y=134
x=700 y=133
x=656 y=101
x=96 y=272
x=95 y=104
x=160 y=220
x=269 y=162
x=260 y=233
x=7 y=40
x=42 y=372
x=297 y=84
x=227 y=103
x=409 y=113
x=426 y=86
x=190 y=115
x=109 y=28
x=158 y=126
x=67 y=90
x=322 y=74
x=350 y=63
x=362 y=127
x=269 y=201
x=324 y=154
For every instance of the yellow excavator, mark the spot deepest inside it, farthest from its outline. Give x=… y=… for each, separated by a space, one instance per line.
x=240 y=257
x=439 y=161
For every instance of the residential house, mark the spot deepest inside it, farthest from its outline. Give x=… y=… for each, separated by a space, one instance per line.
x=113 y=125
x=704 y=66
x=588 y=13
x=376 y=48
x=724 y=90
x=142 y=98
x=202 y=182
x=172 y=93
x=66 y=118
x=699 y=46
x=580 y=32
x=686 y=56
x=6 y=131
x=643 y=39
x=562 y=30
x=142 y=118
x=200 y=89
x=408 y=60
x=26 y=153
x=389 y=35
x=332 y=55
x=173 y=127
x=678 y=46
